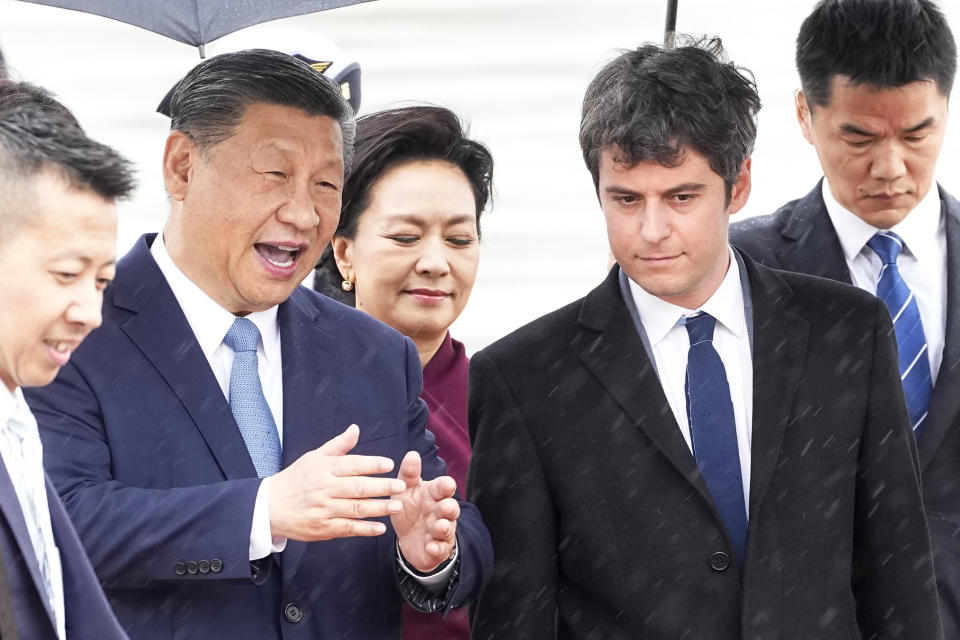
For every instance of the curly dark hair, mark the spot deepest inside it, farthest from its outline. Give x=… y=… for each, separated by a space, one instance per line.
x=886 y=44
x=653 y=103
x=390 y=138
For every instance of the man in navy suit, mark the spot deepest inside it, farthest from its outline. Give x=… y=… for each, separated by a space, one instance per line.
x=58 y=227
x=876 y=78
x=242 y=457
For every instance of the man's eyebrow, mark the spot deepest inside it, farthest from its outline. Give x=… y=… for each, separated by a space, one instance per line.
x=857 y=131
x=923 y=125
x=686 y=186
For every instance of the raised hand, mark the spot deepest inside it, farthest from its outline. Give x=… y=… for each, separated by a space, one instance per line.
x=328 y=493
x=426 y=526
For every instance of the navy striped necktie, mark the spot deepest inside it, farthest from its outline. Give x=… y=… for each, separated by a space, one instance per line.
x=911 y=341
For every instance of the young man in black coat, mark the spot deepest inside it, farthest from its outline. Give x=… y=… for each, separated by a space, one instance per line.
x=701 y=447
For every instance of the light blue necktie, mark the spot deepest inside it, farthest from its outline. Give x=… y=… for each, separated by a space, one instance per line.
x=911 y=341
x=249 y=406
x=713 y=430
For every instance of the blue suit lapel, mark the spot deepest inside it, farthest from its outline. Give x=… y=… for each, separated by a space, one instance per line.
x=945 y=403
x=308 y=348
x=10 y=507
x=159 y=329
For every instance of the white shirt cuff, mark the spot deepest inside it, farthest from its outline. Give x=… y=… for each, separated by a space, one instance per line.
x=435 y=581
x=262 y=543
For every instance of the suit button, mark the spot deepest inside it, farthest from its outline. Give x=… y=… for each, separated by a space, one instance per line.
x=179 y=568
x=204 y=566
x=293 y=613
x=719 y=561
x=216 y=565
x=192 y=568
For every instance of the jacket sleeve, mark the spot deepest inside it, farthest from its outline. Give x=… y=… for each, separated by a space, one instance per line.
x=137 y=537
x=893 y=579
x=507 y=483
x=474 y=562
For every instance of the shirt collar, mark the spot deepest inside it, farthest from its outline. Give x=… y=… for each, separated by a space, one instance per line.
x=726 y=305
x=209 y=321
x=8 y=403
x=918 y=229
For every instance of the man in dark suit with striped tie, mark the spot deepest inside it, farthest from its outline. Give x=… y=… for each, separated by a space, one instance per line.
x=876 y=77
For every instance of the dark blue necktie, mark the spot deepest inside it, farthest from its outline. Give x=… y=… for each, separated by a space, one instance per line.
x=713 y=429
x=247 y=402
x=911 y=341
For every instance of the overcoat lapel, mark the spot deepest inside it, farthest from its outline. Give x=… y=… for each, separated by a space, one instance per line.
x=617 y=358
x=945 y=402
x=779 y=351
x=814 y=247
x=159 y=329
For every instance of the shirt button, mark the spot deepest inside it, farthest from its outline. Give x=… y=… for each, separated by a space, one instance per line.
x=292 y=612
x=719 y=561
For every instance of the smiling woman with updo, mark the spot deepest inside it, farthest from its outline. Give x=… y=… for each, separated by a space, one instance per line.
x=406 y=252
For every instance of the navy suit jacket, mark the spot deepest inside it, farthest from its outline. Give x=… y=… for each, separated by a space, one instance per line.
x=142 y=446
x=800 y=237
x=87 y=612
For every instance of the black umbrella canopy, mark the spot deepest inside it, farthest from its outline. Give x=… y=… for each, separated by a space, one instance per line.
x=196 y=22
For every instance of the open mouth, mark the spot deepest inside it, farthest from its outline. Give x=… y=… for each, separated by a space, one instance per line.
x=58 y=345
x=280 y=256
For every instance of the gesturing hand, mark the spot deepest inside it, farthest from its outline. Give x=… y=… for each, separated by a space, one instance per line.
x=426 y=526
x=327 y=493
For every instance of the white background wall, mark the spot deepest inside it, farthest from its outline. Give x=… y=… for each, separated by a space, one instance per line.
x=516 y=69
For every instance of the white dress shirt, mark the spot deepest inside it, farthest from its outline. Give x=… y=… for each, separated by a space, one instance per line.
x=670 y=343
x=210 y=323
x=922 y=263
x=23 y=457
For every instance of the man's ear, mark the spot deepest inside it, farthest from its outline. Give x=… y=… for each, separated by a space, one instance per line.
x=343 y=254
x=804 y=117
x=179 y=156
x=741 y=188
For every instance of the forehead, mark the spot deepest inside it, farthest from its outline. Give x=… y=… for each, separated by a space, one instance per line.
x=904 y=106
x=692 y=166
x=60 y=221
x=288 y=131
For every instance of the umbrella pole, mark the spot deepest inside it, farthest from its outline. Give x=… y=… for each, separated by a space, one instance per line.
x=670 y=29
x=202 y=54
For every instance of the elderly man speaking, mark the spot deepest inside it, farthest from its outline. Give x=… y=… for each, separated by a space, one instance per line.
x=242 y=457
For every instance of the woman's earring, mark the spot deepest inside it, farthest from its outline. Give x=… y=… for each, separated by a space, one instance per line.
x=346 y=285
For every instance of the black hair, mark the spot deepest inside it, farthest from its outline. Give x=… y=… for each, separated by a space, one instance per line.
x=39 y=134
x=882 y=43
x=209 y=102
x=387 y=139
x=654 y=103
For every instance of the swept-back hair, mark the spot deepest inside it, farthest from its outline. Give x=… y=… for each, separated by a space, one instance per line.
x=883 y=43
x=209 y=102
x=390 y=138
x=655 y=103
x=37 y=135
